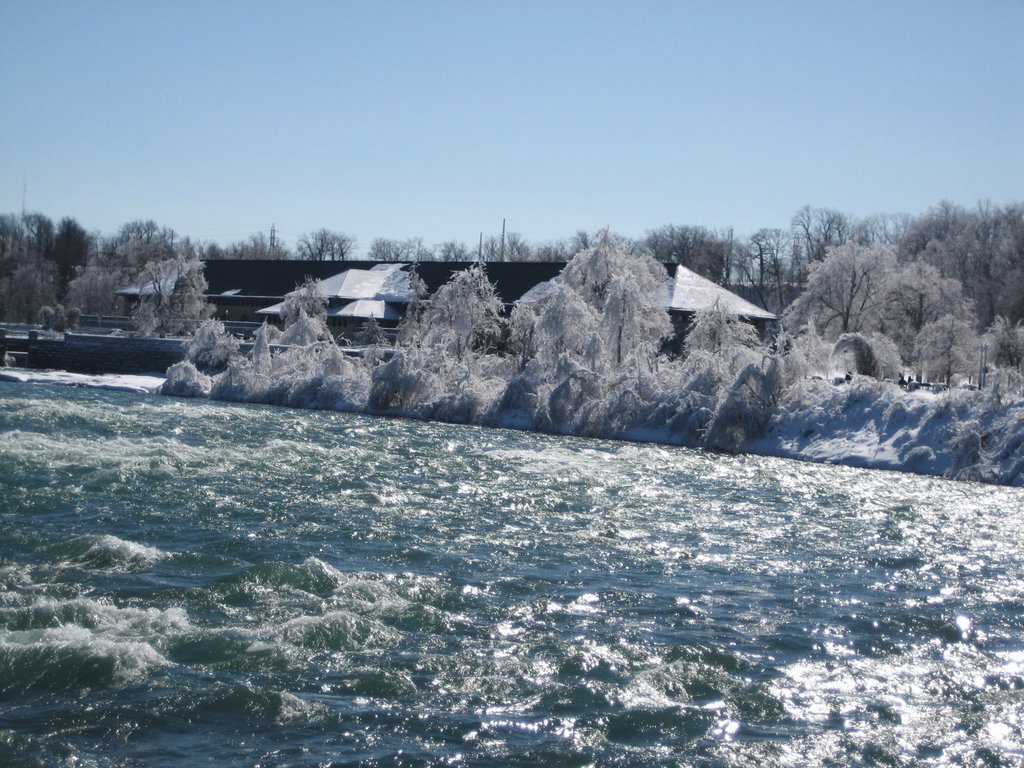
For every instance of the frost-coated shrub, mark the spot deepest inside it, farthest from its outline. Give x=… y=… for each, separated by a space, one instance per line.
x=306 y=300
x=260 y=354
x=185 y=380
x=745 y=411
x=306 y=329
x=212 y=347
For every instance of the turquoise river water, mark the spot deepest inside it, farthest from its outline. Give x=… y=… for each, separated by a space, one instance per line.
x=193 y=583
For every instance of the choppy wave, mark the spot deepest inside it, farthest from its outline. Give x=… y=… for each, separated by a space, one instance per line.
x=297 y=588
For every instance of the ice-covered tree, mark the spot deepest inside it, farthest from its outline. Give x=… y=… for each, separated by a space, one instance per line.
x=807 y=353
x=715 y=329
x=565 y=325
x=946 y=347
x=119 y=263
x=856 y=354
x=464 y=315
x=56 y=318
x=307 y=299
x=32 y=285
x=1006 y=343
x=173 y=295
x=623 y=290
x=306 y=329
x=845 y=292
x=746 y=408
x=916 y=294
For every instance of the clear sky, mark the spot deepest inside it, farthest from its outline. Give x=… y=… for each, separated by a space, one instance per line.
x=439 y=119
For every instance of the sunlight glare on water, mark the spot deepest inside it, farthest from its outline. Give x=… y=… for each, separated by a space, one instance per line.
x=258 y=586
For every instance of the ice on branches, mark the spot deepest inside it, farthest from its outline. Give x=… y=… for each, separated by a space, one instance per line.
x=585 y=355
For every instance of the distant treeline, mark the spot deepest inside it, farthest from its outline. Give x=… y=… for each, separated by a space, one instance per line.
x=43 y=263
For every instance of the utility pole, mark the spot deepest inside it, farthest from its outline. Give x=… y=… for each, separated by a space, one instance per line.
x=983 y=366
x=273 y=239
x=480 y=248
x=502 y=240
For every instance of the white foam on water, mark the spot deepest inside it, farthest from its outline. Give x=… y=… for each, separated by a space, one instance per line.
x=128 y=551
x=131 y=657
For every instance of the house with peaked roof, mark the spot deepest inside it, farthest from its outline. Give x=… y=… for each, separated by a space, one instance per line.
x=254 y=291
x=356 y=291
x=357 y=295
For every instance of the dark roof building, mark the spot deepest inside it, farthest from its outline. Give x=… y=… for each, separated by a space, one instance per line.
x=274 y=279
x=252 y=290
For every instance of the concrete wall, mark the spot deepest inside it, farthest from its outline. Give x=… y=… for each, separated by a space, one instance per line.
x=84 y=353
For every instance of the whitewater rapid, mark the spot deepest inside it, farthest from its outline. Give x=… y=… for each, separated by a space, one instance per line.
x=187 y=581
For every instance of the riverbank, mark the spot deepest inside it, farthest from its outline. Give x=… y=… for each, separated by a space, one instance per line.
x=962 y=435
x=967 y=436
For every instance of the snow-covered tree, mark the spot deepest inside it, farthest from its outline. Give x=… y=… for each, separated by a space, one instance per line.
x=307 y=299
x=808 y=353
x=173 y=297
x=56 y=318
x=632 y=318
x=565 y=325
x=306 y=329
x=914 y=295
x=856 y=354
x=946 y=347
x=887 y=355
x=624 y=293
x=715 y=329
x=464 y=315
x=31 y=286
x=1006 y=342
x=845 y=292
x=746 y=408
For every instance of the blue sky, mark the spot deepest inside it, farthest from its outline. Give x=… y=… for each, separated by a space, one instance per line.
x=439 y=119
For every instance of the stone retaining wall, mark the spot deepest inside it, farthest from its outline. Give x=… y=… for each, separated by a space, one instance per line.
x=86 y=353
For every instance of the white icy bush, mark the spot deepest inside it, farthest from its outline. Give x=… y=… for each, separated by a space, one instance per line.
x=747 y=408
x=185 y=380
x=306 y=300
x=305 y=329
x=212 y=347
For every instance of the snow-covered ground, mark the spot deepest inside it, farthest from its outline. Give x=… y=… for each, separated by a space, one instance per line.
x=960 y=434
x=111 y=381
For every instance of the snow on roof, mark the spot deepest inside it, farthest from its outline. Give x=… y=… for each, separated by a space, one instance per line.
x=367 y=308
x=689 y=292
x=165 y=284
x=685 y=291
x=274 y=309
x=368 y=288
x=539 y=292
x=383 y=282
